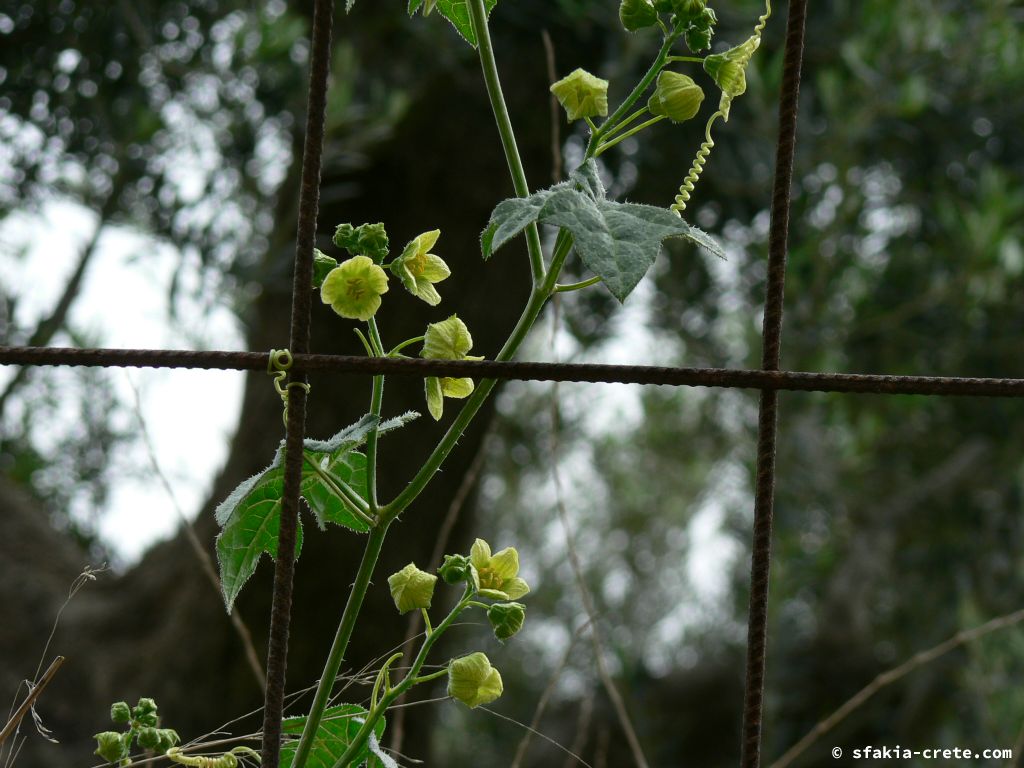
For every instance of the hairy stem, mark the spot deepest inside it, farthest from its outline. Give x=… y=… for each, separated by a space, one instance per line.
x=407 y=682
x=376 y=398
x=508 y=138
x=348 y=622
x=613 y=120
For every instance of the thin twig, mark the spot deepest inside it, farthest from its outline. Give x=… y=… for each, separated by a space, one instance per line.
x=29 y=702
x=577 y=568
x=556 y=112
x=542 y=703
x=546 y=738
x=890 y=676
x=582 y=728
x=469 y=479
x=205 y=561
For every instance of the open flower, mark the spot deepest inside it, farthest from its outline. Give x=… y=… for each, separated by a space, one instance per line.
x=497 y=573
x=447 y=340
x=419 y=270
x=473 y=681
x=354 y=288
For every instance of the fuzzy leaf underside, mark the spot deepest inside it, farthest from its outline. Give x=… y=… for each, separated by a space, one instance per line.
x=617 y=241
x=338 y=727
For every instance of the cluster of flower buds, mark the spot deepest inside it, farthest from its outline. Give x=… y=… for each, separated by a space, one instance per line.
x=142 y=721
x=493 y=576
x=693 y=17
x=353 y=288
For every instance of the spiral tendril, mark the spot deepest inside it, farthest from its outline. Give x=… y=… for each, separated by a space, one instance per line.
x=686 y=189
x=701 y=159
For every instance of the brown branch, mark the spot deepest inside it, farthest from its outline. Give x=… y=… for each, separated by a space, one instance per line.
x=556 y=112
x=30 y=700
x=577 y=568
x=48 y=326
x=891 y=676
x=542 y=703
x=205 y=561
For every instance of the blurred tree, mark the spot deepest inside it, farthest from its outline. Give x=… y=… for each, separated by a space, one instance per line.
x=898 y=519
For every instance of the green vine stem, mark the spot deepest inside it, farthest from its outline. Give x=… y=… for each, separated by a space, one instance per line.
x=621 y=137
x=544 y=286
x=508 y=138
x=376 y=398
x=337 y=654
x=659 y=63
x=408 y=682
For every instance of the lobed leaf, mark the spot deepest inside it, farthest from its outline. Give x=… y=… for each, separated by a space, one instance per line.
x=337 y=729
x=617 y=241
x=250 y=527
x=250 y=516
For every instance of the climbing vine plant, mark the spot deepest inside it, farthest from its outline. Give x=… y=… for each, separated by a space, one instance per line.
x=616 y=242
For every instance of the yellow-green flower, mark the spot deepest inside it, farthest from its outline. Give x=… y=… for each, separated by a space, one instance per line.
x=354 y=288
x=582 y=95
x=447 y=340
x=497 y=573
x=473 y=681
x=419 y=270
x=411 y=588
x=729 y=70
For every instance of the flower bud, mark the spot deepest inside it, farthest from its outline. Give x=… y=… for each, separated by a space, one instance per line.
x=354 y=289
x=637 y=14
x=322 y=266
x=698 y=38
x=582 y=95
x=120 y=712
x=676 y=96
x=473 y=681
x=148 y=737
x=412 y=588
x=110 y=746
x=365 y=240
x=454 y=569
x=144 y=707
x=506 y=619
x=167 y=738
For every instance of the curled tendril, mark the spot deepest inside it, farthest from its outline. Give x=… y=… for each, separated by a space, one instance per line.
x=278 y=366
x=699 y=161
x=686 y=189
x=226 y=760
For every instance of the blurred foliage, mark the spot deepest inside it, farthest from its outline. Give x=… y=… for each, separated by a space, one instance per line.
x=898 y=519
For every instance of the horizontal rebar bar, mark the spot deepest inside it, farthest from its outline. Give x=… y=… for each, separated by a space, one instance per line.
x=799 y=381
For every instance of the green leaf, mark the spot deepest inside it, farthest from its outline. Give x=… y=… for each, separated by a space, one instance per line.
x=338 y=728
x=588 y=178
x=617 y=241
x=457 y=12
x=250 y=519
x=349 y=468
x=250 y=516
x=510 y=217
